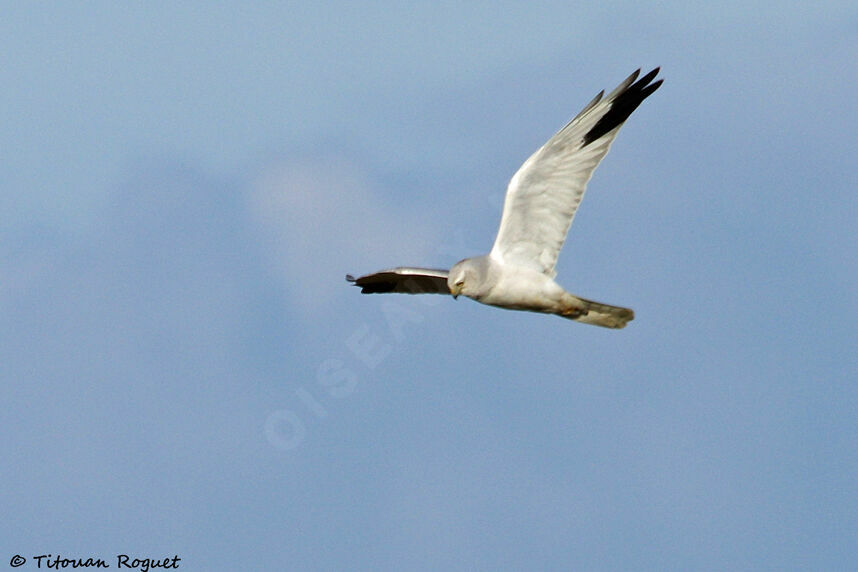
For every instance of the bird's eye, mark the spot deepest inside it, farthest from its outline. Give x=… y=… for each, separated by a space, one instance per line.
x=460 y=283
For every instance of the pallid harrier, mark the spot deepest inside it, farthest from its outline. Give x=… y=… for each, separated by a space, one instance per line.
x=541 y=200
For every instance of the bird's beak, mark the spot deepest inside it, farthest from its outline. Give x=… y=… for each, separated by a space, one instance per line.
x=454 y=290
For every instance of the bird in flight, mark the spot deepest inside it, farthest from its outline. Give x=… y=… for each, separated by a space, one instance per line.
x=541 y=201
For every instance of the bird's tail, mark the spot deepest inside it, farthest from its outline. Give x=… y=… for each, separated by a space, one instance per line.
x=600 y=314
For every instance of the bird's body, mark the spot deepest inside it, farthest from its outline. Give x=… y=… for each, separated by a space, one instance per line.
x=541 y=201
x=523 y=288
x=494 y=285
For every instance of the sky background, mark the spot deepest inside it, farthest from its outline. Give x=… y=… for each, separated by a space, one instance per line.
x=185 y=370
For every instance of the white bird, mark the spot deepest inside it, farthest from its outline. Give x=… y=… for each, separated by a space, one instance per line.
x=541 y=201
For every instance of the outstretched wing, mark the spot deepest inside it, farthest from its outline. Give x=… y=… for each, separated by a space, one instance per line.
x=404 y=280
x=544 y=194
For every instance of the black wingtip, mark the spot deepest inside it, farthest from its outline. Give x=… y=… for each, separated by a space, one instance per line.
x=624 y=103
x=649 y=77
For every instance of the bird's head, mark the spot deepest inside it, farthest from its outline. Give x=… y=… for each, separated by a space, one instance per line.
x=462 y=279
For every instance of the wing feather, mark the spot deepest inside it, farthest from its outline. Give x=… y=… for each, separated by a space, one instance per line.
x=403 y=280
x=543 y=196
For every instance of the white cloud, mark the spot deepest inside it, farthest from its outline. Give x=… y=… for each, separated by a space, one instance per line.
x=323 y=218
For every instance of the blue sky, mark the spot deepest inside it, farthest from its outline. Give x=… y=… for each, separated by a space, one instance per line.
x=186 y=371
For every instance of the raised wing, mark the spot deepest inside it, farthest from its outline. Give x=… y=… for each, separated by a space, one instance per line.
x=544 y=194
x=404 y=280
